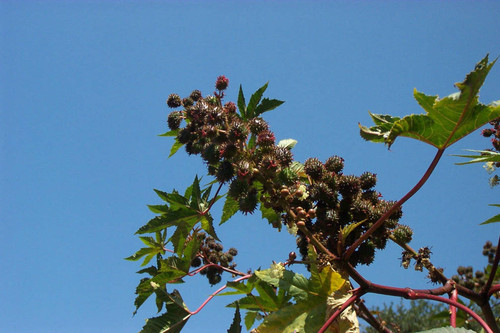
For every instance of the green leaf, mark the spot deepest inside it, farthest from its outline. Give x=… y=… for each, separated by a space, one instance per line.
x=254 y=101
x=230 y=208
x=267 y=105
x=175 y=147
x=446 y=121
x=287 y=143
x=448 y=330
x=252 y=141
x=250 y=318
x=158 y=209
x=483 y=157
x=207 y=223
x=171 y=218
x=271 y=216
x=495 y=218
x=172 y=321
x=236 y=324
x=149 y=252
x=242 y=106
x=170 y=133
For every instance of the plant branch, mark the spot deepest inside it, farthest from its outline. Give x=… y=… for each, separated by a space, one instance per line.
x=356 y=294
x=365 y=314
x=398 y=204
x=216 y=292
x=494 y=267
x=453 y=309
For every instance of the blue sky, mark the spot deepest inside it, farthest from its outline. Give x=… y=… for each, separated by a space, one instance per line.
x=83 y=89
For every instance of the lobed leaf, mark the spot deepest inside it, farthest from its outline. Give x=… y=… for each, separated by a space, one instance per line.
x=254 y=101
x=446 y=121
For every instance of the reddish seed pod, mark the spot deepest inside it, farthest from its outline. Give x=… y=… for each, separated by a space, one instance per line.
x=311 y=213
x=284 y=192
x=292 y=256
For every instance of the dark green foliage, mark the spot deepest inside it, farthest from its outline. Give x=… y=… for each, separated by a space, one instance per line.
x=414 y=316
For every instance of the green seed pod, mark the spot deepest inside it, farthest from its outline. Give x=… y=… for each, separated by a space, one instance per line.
x=403 y=234
x=238 y=188
x=247 y=203
x=211 y=154
x=225 y=172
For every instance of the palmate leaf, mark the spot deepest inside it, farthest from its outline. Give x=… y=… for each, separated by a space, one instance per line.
x=446 y=121
x=448 y=330
x=173 y=320
x=277 y=287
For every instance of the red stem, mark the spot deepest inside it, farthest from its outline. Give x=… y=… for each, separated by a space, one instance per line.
x=453 y=309
x=215 y=293
x=356 y=294
x=455 y=304
x=398 y=204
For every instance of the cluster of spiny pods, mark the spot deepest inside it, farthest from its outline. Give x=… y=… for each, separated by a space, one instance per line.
x=243 y=154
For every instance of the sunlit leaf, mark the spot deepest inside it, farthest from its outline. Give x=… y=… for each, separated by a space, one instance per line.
x=483 y=157
x=287 y=143
x=175 y=147
x=446 y=121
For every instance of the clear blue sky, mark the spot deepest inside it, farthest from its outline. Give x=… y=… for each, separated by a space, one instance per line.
x=83 y=89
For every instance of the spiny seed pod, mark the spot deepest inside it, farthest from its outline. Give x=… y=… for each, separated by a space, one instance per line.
x=403 y=234
x=196 y=262
x=368 y=180
x=215 y=117
x=219 y=247
x=211 y=154
x=265 y=138
x=195 y=95
x=232 y=251
x=247 y=203
x=372 y=196
x=174 y=101
x=221 y=83
x=257 y=125
x=334 y=164
x=193 y=148
x=283 y=155
x=366 y=253
x=214 y=279
x=238 y=188
x=174 y=120
x=321 y=192
x=225 y=172
x=314 y=168
x=348 y=186
x=187 y=102
x=238 y=132
x=230 y=107
x=184 y=136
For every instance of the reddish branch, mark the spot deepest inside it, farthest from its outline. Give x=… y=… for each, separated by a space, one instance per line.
x=398 y=204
